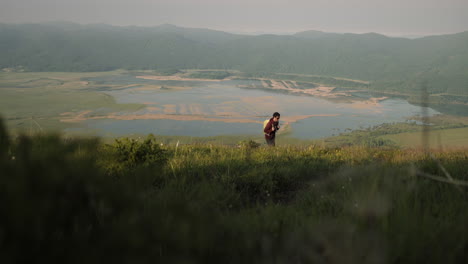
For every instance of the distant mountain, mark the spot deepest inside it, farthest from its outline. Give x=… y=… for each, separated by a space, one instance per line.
x=389 y=64
x=314 y=34
x=197 y=34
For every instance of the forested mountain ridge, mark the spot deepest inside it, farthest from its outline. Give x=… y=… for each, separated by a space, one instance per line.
x=396 y=64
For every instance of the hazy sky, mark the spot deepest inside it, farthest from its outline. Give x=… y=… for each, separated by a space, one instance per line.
x=392 y=17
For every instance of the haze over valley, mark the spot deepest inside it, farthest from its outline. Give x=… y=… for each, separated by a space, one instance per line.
x=387 y=64
x=147 y=131
x=355 y=71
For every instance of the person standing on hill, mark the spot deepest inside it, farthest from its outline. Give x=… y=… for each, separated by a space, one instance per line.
x=270 y=129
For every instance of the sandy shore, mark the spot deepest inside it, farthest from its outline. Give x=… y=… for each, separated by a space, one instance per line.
x=175 y=78
x=85 y=115
x=372 y=103
x=293 y=87
x=320 y=91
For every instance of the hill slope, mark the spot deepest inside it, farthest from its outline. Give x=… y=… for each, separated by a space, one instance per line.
x=136 y=200
x=395 y=64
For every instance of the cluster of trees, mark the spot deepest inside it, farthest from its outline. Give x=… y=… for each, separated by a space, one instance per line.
x=394 y=64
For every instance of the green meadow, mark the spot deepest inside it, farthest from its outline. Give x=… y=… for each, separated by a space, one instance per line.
x=139 y=200
x=446 y=138
x=35 y=101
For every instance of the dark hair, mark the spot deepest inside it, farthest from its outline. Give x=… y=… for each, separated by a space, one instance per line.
x=276 y=114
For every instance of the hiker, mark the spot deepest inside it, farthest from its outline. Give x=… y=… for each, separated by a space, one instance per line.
x=270 y=129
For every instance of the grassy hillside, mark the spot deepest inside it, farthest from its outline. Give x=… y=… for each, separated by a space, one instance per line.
x=387 y=64
x=447 y=138
x=443 y=132
x=71 y=200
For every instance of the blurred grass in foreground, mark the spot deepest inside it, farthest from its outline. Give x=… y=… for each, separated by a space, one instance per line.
x=135 y=200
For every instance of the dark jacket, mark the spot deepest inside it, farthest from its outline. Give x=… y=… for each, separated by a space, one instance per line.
x=269 y=133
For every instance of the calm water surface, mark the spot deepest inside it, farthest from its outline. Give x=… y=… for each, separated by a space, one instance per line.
x=221 y=99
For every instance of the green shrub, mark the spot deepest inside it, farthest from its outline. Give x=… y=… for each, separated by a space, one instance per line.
x=250 y=144
x=127 y=153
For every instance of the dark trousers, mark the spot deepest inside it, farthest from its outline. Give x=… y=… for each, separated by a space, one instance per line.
x=270 y=142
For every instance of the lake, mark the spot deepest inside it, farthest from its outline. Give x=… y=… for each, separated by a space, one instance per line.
x=238 y=107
